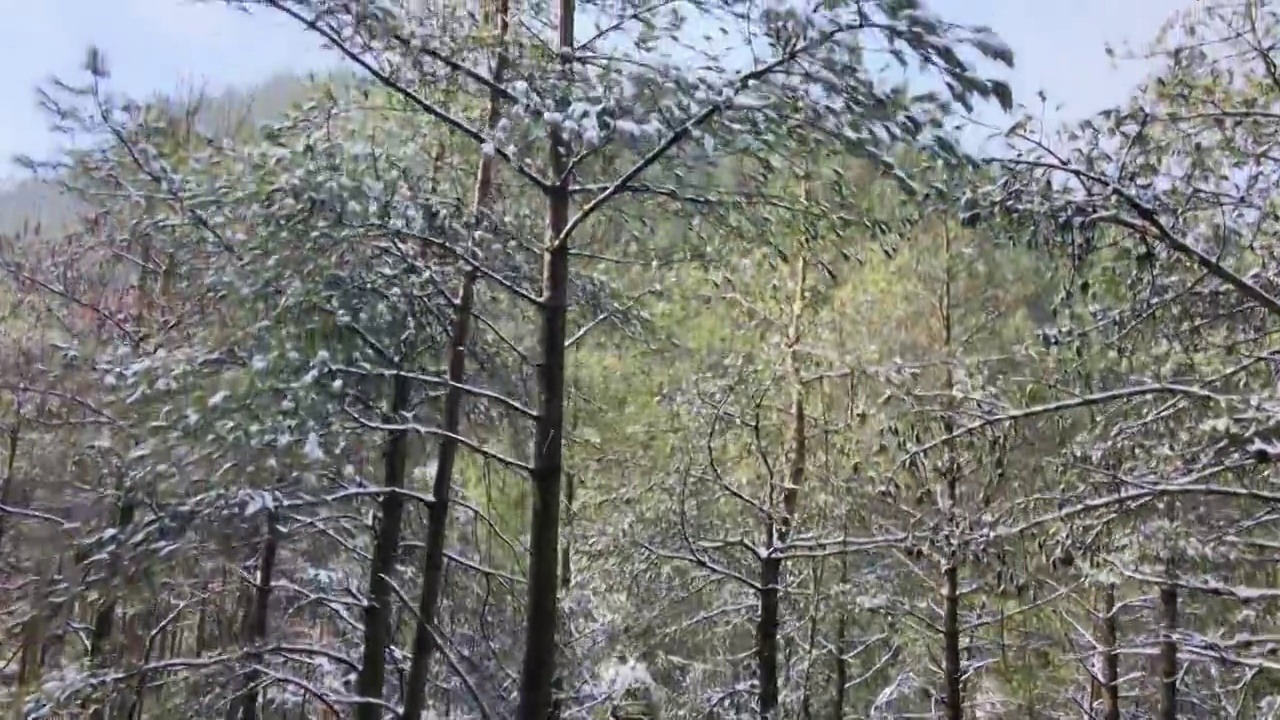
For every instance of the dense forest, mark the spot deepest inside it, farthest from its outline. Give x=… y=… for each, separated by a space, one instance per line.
x=649 y=360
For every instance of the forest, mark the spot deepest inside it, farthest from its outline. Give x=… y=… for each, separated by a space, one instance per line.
x=645 y=360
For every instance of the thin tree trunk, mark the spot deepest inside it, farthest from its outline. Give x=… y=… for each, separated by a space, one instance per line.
x=840 y=674
x=767 y=635
x=256 y=622
x=806 y=698
x=377 y=610
x=6 y=489
x=951 y=572
x=951 y=641
x=438 y=514
x=1110 y=665
x=156 y=638
x=566 y=557
x=538 y=666
x=840 y=681
x=104 y=619
x=779 y=529
x=202 y=618
x=447 y=452
x=1168 y=622
x=1168 y=650
x=135 y=627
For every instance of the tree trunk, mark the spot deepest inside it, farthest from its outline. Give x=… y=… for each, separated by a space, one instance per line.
x=438 y=514
x=447 y=452
x=105 y=617
x=767 y=636
x=841 y=675
x=149 y=633
x=779 y=529
x=1168 y=651
x=538 y=667
x=1110 y=665
x=815 y=612
x=840 y=679
x=202 y=618
x=951 y=641
x=951 y=572
x=256 y=621
x=11 y=457
x=377 y=610
x=1168 y=609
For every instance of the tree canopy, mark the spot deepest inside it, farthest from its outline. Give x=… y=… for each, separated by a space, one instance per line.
x=649 y=361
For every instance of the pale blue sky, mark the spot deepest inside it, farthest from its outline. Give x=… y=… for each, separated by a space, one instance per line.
x=154 y=45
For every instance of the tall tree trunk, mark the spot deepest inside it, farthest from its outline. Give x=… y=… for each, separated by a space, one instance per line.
x=447 y=451
x=377 y=610
x=840 y=679
x=951 y=639
x=1110 y=658
x=104 y=619
x=538 y=667
x=202 y=618
x=840 y=674
x=1168 y=649
x=779 y=529
x=815 y=589
x=1167 y=608
x=11 y=457
x=951 y=572
x=767 y=633
x=256 y=621
x=424 y=644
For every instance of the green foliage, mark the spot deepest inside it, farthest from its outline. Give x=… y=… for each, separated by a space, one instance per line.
x=809 y=340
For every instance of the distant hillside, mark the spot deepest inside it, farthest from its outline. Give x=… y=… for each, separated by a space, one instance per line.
x=30 y=201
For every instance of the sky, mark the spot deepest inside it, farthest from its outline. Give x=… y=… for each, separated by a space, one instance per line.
x=157 y=45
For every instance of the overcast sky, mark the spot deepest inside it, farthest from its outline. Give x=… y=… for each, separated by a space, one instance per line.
x=154 y=45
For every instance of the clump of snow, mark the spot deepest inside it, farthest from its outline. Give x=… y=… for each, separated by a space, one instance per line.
x=619 y=675
x=311 y=449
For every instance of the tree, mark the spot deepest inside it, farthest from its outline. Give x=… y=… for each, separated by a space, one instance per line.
x=1164 y=201
x=578 y=80
x=886 y=499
